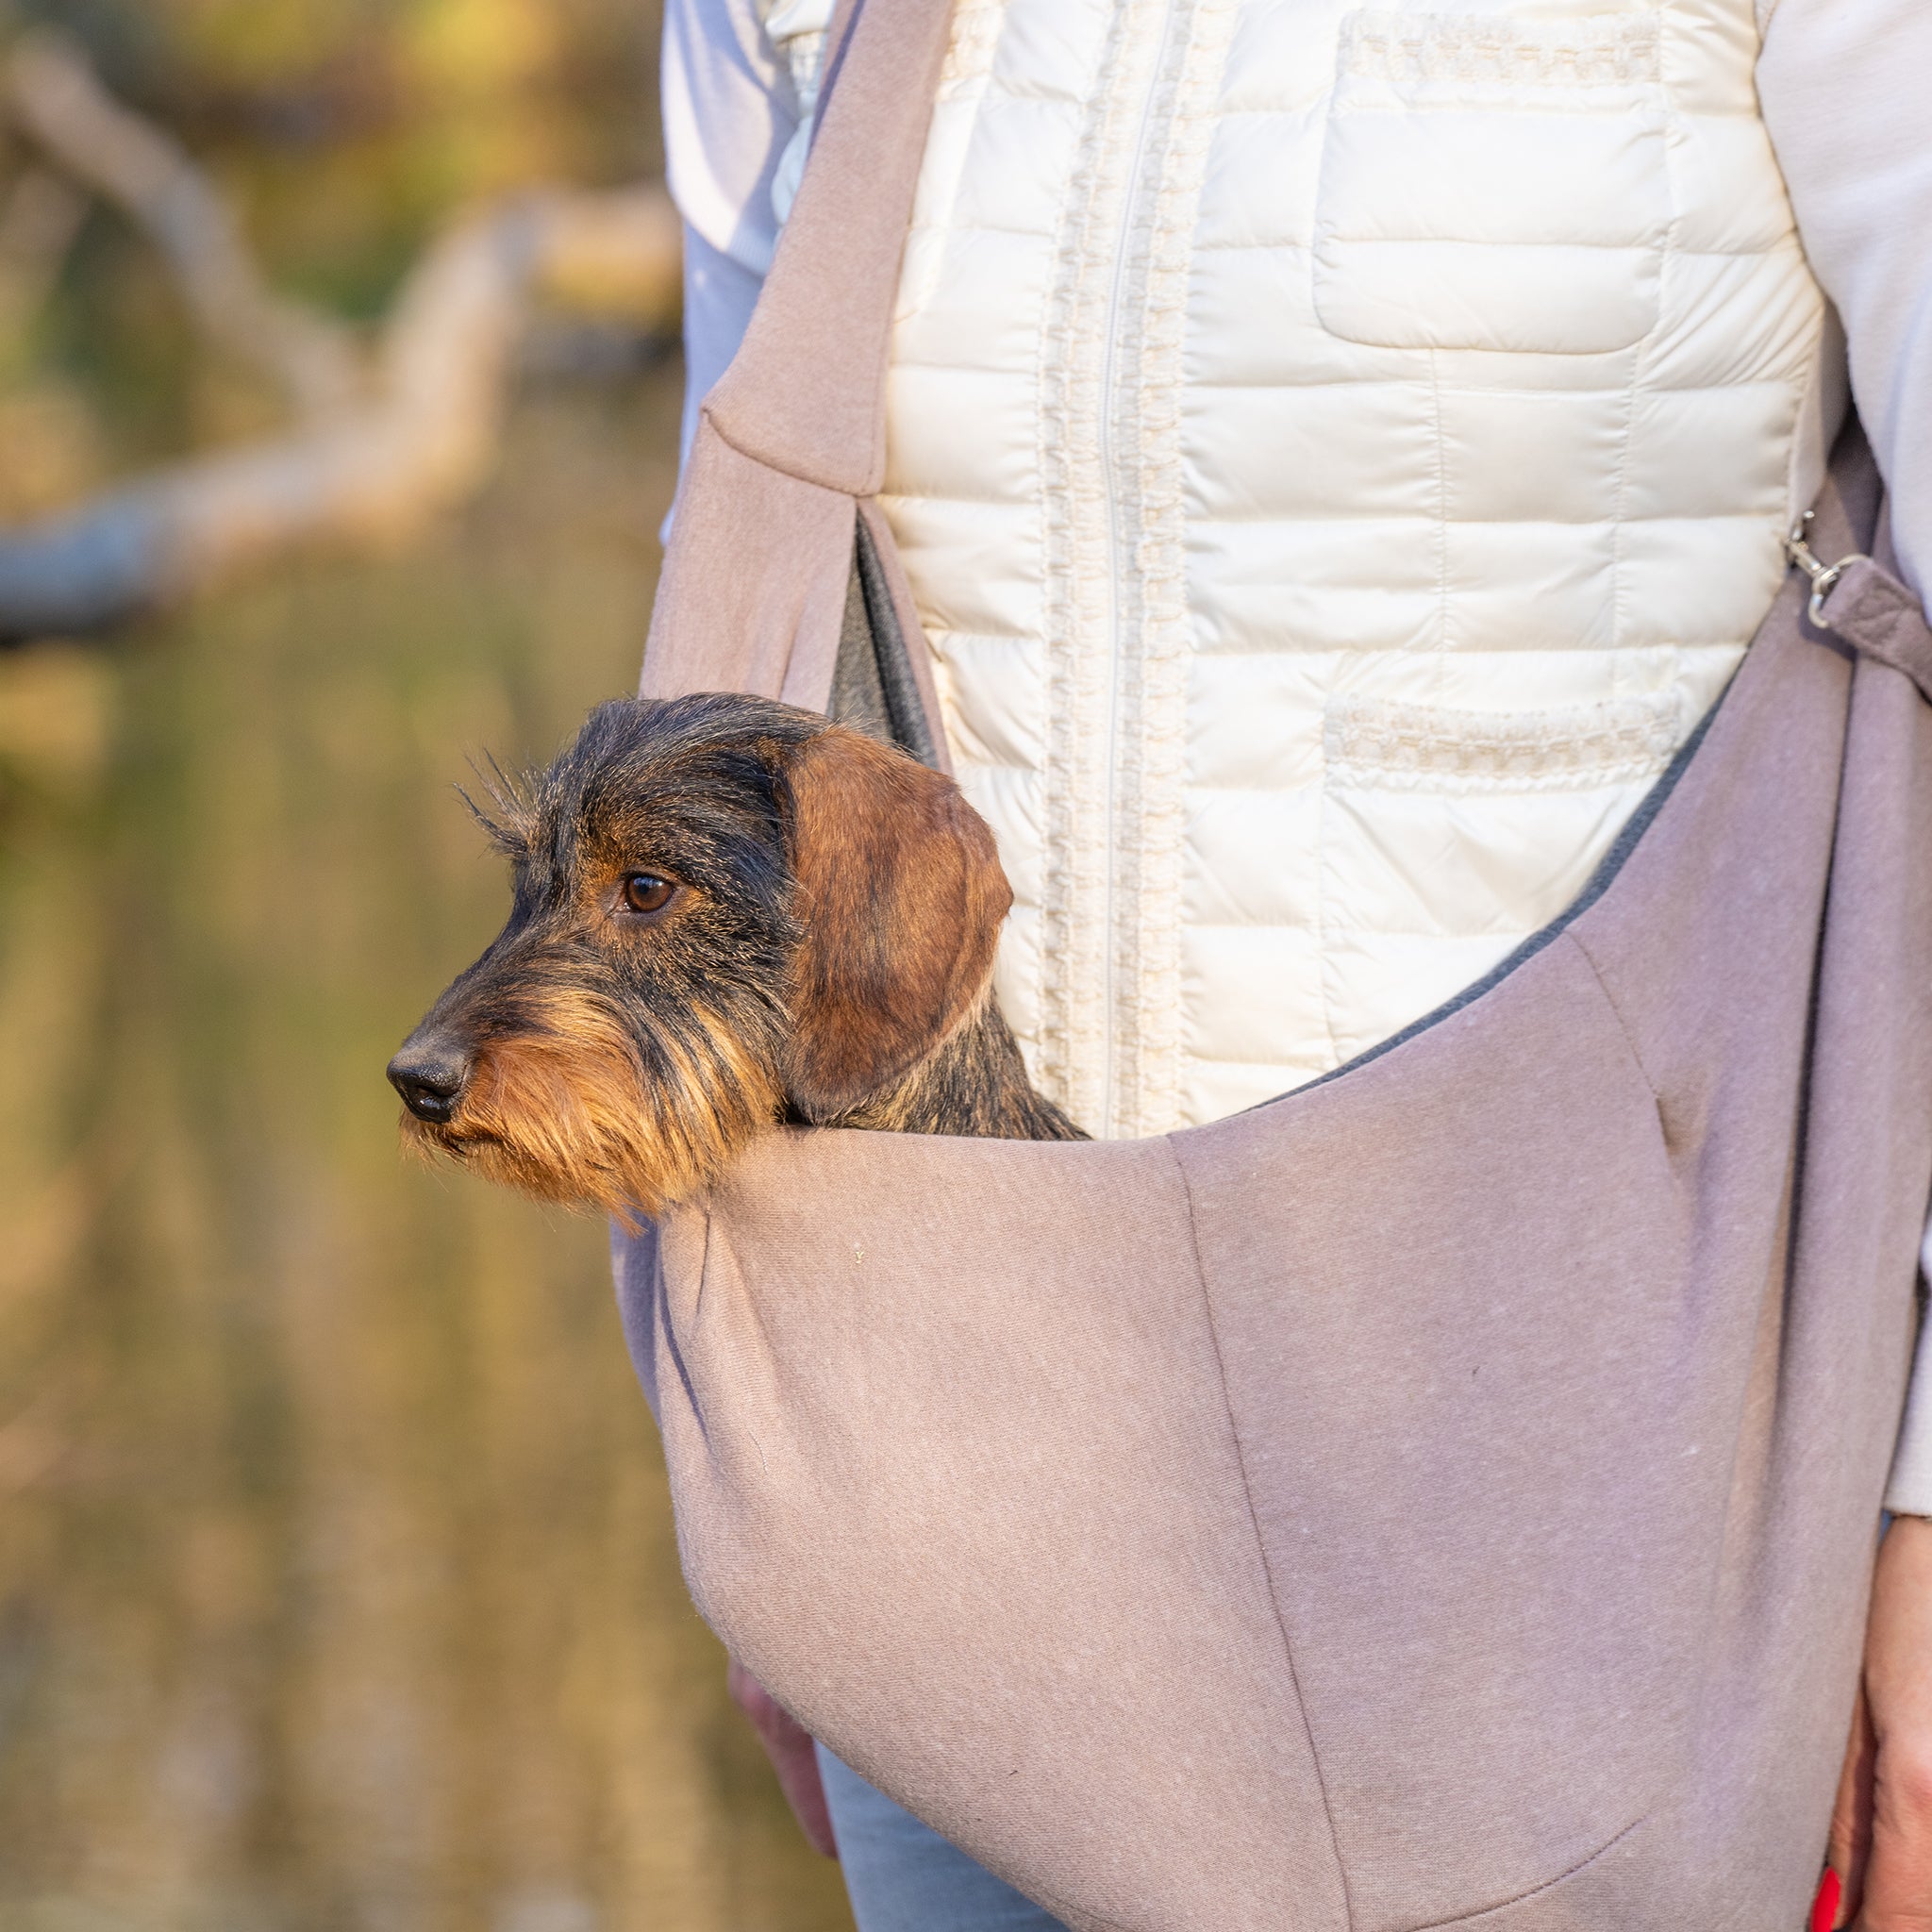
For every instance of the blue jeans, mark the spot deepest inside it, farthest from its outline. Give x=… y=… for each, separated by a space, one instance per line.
x=904 y=1877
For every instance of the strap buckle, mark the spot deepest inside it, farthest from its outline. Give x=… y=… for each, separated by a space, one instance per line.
x=1823 y=576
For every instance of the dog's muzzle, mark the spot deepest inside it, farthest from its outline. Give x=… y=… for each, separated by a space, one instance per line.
x=430 y=1075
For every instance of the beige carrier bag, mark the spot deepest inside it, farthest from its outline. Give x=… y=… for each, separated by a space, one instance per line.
x=1442 y=1495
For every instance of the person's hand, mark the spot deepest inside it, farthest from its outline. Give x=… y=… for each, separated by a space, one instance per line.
x=788 y=1745
x=1881 y=1829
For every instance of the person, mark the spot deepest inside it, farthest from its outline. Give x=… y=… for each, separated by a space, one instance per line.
x=1338 y=454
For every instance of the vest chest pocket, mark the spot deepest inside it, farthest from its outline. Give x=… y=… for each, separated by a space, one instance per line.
x=1494 y=182
x=1449 y=835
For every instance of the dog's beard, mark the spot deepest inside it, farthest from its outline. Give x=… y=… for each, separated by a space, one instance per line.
x=574 y=1109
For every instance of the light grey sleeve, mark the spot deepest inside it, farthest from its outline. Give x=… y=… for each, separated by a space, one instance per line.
x=1845 y=87
x=719 y=296
x=729 y=114
x=740 y=77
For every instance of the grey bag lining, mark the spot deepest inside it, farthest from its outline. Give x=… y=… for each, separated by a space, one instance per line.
x=873 y=688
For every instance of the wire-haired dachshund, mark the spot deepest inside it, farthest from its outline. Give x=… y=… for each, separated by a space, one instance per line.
x=726 y=913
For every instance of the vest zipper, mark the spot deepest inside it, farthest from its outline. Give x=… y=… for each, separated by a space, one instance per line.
x=1109 y=400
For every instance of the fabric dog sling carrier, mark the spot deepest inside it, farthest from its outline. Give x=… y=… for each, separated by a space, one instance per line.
x=1444 y=1494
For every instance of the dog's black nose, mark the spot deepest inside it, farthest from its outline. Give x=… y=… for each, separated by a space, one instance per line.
x=430 y=1077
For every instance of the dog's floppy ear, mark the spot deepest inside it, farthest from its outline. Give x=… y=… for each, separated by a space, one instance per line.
x=901 y=895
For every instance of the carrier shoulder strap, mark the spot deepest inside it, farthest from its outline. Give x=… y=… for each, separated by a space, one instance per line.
x=805 y=392
x=778 y=550
x=1860 y=601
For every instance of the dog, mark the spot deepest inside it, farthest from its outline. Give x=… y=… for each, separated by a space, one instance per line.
x=726 y=913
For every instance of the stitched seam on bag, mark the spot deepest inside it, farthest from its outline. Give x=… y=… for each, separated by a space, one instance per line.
x=1617 y=1014
x=1255 y=1523
x=765 y=462
x=1609 y=1844
x=669 y=1329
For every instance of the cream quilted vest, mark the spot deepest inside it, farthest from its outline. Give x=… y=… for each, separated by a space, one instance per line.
x=1338 y=454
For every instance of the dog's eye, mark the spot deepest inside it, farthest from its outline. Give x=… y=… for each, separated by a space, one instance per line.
x=645 y=891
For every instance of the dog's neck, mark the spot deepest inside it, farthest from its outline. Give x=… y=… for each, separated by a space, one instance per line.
x=974 y=1084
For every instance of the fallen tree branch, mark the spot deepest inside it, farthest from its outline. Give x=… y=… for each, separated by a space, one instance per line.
x=383 y=442
x=53 y=96
x=423 y=438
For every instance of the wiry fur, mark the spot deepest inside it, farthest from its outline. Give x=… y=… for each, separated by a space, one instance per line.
x=975 y=1084
x=827 y=957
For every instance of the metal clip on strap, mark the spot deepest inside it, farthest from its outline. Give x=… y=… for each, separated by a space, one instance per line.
x=1876 y=614
x=1824 y=577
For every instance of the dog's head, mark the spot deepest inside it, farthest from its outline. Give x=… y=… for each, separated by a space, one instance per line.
x=723 y=908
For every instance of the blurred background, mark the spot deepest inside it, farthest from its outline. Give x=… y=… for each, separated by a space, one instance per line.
x=338 y=1586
